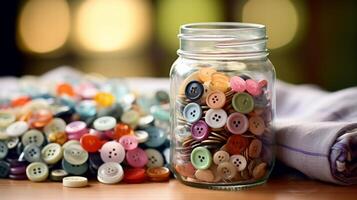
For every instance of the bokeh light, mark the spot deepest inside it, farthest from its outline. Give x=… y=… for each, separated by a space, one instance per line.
x=171 y=14
x=279 y=16
x=43 y=25
x=110 y=25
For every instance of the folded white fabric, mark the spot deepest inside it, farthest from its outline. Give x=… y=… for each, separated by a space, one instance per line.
x=316 y=132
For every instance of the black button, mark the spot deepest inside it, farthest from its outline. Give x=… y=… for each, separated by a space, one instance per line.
x=194 y=90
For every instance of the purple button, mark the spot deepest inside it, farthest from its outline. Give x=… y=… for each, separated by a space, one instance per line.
x=15 y=163
x=136 y=157
x=18 y=176
x=237 y=123
x=200 y=130
x=76 y=128
x=18 y=170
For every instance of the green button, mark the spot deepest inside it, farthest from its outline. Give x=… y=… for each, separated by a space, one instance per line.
x=243 y=102
x=74 y=169
x=51 y=153
x=75 y=154
x=37 y=171
x=4 y=169
x=58 y=174
x=33 y=136
x=201 y=158
x=3 y=150
x=130 y=117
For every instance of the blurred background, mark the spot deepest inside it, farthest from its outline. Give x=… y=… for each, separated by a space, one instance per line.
x=309 y=41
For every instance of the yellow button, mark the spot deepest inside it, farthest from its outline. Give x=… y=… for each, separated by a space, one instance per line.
x=104 y=99
x=205 y=73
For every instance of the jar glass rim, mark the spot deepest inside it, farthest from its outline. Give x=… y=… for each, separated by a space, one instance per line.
x=226 y=26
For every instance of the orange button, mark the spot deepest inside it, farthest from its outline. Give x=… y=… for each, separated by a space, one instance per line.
x=204 y=74
x=20 y=101
x=134 y=175
x=120 y=130
x=256 y=125
x=216 y=99
x=218 y=76
x=65 y=89
x=40 y=118
x=219 y=85
x=104 y=99
x=158 y=174
x=236 y=144
x=59 y=138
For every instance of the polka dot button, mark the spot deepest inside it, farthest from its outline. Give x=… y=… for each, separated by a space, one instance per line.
x=205 y=73
x=194 y=90
x=200 y=130
x=192 y=112
x=220 y=157
x=237 y=84
x=33 y=136
x=157 y=137
x=253 y=87
x=237 y=123
x=226 y=170
x=216 y=99
x=74 y=169
x=236 y=144
x=32 y=153
x=239 y=162
x=136 y=158
x=37 y=171
x=104 y=123
x=4 y=169
x=155 y=158
x=129 y=142
x=3 y=150
x=75 y=154
x=112 y=152
x=243 y=102
x=16 y=129
x=255 y=148
x=216 y=118
x=256 y=125
x=110 y=173
x=51 y=153
x=201 y=158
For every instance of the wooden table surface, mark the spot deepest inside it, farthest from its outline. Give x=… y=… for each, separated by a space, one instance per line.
x=277 y=188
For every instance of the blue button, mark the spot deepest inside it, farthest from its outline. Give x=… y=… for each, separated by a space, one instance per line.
x=4 y=169
x=116 y=110
x=192 y=112
x=86 y=108
x=3 y=150
x=160 y=113
x=157 y=137
x=194 y=90
x=74 y=169
x=261 y=101
x=95 y=161
x=32 y=153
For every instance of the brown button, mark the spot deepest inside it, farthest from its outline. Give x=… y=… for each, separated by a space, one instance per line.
x=158 y=174
x=236 y=144
x=205 y=175
x=216 y=99
x=226 y=170
x=256 y=125
x=259 y=171
x=255 y=148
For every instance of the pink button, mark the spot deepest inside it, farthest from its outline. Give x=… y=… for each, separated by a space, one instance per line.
x=112 y=152
x=76 y=128
x=263 y=83
x=129 y=142
x=253 y=87
x=237 y=84
x=200 y=130
x=136 y=157
x=237 y=123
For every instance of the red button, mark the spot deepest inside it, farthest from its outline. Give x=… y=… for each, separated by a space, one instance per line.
x=122 y=129
x=134 y=175
x=91 y=143
x=236 y=144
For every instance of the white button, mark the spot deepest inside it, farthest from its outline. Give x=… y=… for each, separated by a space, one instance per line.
x=12 y=142
x=110 y=173
x=33 y=136
x=17 y=129
x=55 y=126
x=141 y=136
x=75 y=181
x=226 y=170
x=216 y=118
x=155 y=158
x=220 y=156
x=239 y=162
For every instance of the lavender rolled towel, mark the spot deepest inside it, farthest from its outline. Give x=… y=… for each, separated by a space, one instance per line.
x=316 y=132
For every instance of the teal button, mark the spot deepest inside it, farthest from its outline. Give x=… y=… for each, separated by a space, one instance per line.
x=160 y=113
x=4 y=169
x=3 y=150
x=243 y=102
x=32 y=153
x=86 y=108
x=157 y=136
x=74 y=169
x=75 y=154
x=201 y=158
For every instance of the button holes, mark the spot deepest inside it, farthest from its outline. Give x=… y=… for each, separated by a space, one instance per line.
x=215 y=115
x=109 y=156
x=219 y=117
x=113 y=149
x=115 y=154
x=199 y=156
x=110 y=152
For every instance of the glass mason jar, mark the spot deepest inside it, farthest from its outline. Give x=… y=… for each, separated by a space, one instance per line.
x=222 y=106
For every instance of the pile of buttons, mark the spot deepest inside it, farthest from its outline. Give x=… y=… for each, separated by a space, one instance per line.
x=223 y=128
x=84 y=129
